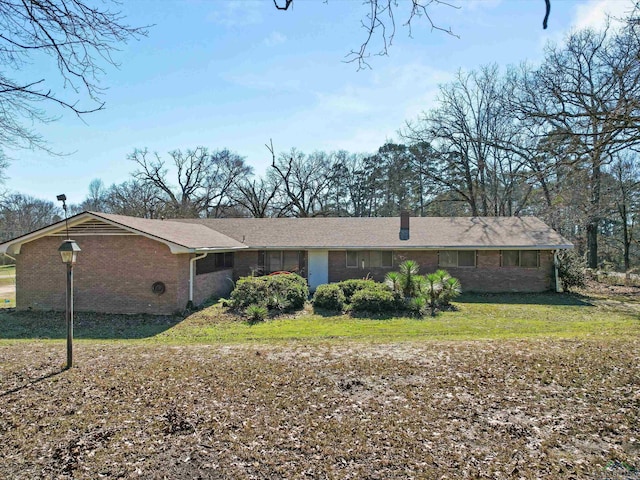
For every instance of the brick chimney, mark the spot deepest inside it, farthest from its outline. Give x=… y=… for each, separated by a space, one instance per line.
x=404 y=225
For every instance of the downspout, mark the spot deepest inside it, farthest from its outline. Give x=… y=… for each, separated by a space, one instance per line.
x=555 y=272
x=192 y=274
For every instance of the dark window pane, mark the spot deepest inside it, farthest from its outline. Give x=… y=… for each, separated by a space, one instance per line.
x=275 y=261
x=448 y=258
x=387 y=259
x=375 y=258
x=352 y=259
x=290 y=260
x=529 y=258
x=466 y=258
x=510 y=258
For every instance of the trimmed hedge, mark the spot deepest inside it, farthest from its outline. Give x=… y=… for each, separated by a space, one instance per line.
x=282 y=292
x=349 y=287
x=376 y=299
x=329 y=296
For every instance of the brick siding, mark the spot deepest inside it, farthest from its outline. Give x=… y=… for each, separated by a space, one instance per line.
x=487 y=276
x=113 y=274
x=217 y=284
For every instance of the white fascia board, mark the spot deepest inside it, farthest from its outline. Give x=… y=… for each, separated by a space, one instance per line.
x=219 y=249
x=13 y=247
x=421 y=247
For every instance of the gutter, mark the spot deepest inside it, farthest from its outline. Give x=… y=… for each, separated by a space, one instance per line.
x=555 y=272
x=192 y=273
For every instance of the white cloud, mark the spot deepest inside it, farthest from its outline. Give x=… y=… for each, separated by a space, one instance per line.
x=594 y=13
x=368 y=114
x=237 y=13
x=275 y=38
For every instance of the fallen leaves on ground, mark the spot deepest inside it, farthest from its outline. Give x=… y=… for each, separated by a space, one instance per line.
x=497 y=409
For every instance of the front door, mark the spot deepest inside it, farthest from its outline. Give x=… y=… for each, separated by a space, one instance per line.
x=318 y=268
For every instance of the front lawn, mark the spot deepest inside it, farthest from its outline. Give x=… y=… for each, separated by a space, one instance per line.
x=476 y=317
x=501 y=409
x=507 y=386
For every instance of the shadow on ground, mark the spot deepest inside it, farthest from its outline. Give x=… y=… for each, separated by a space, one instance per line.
x=33 y=382
x=95 y=326
x=547 y=298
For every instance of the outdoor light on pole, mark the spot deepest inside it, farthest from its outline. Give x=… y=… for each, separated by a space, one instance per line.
x=69 y=253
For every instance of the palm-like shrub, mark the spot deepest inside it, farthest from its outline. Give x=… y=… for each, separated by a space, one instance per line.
x=433 y=290
x=409 y=278
x=393 y=280
x=451 y=287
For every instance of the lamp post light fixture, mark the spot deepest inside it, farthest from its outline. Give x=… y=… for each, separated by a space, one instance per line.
x=69 y=253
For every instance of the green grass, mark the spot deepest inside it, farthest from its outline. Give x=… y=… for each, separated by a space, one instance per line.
x=472 y=321
x=477 y=317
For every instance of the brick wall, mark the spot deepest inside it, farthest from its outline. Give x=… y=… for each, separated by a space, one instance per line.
x=113 y=274
x=217 y=284
x=487 y=276
x=244 y=263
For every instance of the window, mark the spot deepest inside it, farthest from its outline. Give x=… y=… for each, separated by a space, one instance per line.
x=224 y=260
x=214 y=262
x=529 y=258
x=369 y=259
x=270 y=261
x=457 y=258
x=520 y=258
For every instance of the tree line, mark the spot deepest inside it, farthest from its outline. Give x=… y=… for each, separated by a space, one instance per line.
x=557 y=140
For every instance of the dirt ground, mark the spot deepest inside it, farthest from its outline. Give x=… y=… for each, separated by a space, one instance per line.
x=487 y=409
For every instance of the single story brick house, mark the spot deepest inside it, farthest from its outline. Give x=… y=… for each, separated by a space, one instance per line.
x=137 y=265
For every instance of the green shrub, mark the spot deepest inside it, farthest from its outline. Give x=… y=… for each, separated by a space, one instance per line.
x=278 y=292
x=349 y=287
x=378 y=299
x=290 y=288
x=417 y=305
x=571 y=269
x=256 y=313
x=249 y=291
x=329 y=296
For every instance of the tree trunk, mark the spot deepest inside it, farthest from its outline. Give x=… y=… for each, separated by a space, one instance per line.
x=592 y=243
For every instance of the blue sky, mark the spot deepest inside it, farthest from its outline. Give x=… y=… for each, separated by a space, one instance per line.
x=234 y=74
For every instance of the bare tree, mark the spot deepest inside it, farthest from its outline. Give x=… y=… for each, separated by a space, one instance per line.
x=379 y=23
x=78 y=36
x=625 y=192
x=95 y=200
x=305 y=182
x=203 y=179
x=257 y=196
x=588 y=93
x=467 y=130
x=20 y=214
x=135 y=198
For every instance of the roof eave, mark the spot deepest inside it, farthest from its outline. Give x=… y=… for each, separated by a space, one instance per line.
x=414 y=247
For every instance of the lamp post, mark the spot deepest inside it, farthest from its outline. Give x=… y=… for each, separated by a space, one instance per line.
x=69 y=253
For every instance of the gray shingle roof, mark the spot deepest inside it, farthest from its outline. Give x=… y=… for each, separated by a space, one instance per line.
x=185 y=234
x=383 y=232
